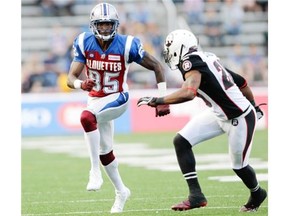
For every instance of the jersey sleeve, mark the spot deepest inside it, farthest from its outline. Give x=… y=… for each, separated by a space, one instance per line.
x=238 y=79
x=77 y=52
x=137 y=51
x=193 y=62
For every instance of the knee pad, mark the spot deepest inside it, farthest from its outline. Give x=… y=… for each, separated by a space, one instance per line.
x=88 y=121
x=107 y=158
x=180 y=143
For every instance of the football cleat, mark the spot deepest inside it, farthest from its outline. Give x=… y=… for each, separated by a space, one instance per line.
x=254 y=202
x=120 y=200
x=191 y=203
x=95 y=181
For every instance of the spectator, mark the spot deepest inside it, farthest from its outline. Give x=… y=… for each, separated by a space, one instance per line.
x=154 y=35
x=194 y=9
x=38 y=76
x=140 y=14
x=57 y=40
x=250 y=6
x=50 y=73
x=232 y=15
x=48 y=7
x=257 y=63
x=236 y=58
x=31 y=74
x=213 y=27
x=64 y=7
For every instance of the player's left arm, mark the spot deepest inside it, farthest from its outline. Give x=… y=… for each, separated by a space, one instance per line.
x=151 y=63
x=246 y=91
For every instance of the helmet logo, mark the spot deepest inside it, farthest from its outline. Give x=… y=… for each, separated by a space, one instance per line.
x=168 y=43
x=169 y=40
x=187 y=65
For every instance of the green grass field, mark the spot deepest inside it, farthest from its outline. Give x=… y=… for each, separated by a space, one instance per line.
x=54 y=182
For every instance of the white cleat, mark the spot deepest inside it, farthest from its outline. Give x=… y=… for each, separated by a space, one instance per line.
x=95 y=181
x=120 y=200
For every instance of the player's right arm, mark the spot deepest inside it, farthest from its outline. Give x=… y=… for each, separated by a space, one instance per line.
x=77 y=67
x=73 y=82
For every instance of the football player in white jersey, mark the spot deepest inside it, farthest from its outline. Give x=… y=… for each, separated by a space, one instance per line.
x=233 y=111
x=106 y=55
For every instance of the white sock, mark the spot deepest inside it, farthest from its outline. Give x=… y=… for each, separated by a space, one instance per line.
x=92 y=139
x=113 y=173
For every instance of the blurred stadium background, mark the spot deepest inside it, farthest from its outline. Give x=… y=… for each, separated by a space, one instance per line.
x=236 y=30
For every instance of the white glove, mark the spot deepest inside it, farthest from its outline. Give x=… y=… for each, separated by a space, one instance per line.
x=259 y=112
x=150 y=101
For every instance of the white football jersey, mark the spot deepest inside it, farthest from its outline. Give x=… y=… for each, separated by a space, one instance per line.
x=218 y=88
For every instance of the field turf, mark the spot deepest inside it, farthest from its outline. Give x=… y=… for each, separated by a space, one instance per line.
x=54 y=179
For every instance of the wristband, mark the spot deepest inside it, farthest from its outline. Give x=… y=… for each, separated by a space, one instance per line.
x=159 y=101
x=193 y=90
x=77 y=84
x=253 y=103
x=162 y=88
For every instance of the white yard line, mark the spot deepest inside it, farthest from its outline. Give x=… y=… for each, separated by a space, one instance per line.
x=140 y=155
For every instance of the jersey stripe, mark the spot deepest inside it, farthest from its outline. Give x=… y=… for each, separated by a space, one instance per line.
x=127 y=47
x=81 y=43
x=105 y=9
x=126 y=59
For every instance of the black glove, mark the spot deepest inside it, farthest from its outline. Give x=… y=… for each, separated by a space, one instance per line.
x=259 y=112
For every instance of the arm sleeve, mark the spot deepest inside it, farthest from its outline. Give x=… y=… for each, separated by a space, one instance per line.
x=238 y=79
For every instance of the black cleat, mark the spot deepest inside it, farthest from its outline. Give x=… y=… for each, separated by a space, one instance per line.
x=191 y=203
x=254 y=202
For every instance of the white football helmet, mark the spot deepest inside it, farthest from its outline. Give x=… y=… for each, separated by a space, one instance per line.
x=104 y=12
x=177 y=44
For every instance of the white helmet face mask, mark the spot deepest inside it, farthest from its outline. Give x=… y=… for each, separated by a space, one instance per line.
x=177 y=44
x=104 y=13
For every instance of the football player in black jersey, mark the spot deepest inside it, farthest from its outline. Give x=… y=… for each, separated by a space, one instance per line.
x=232 y=111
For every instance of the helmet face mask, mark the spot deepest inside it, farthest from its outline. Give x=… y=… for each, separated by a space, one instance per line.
x=104 y=13
x=177 y=44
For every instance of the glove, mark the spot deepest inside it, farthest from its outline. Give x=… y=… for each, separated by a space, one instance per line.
x=259 y=112
x=150 y=101
x=162 y=110
x=87 y=84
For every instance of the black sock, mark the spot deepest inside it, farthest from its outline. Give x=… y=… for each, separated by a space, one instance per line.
x=248 y=177
x=187 y=163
